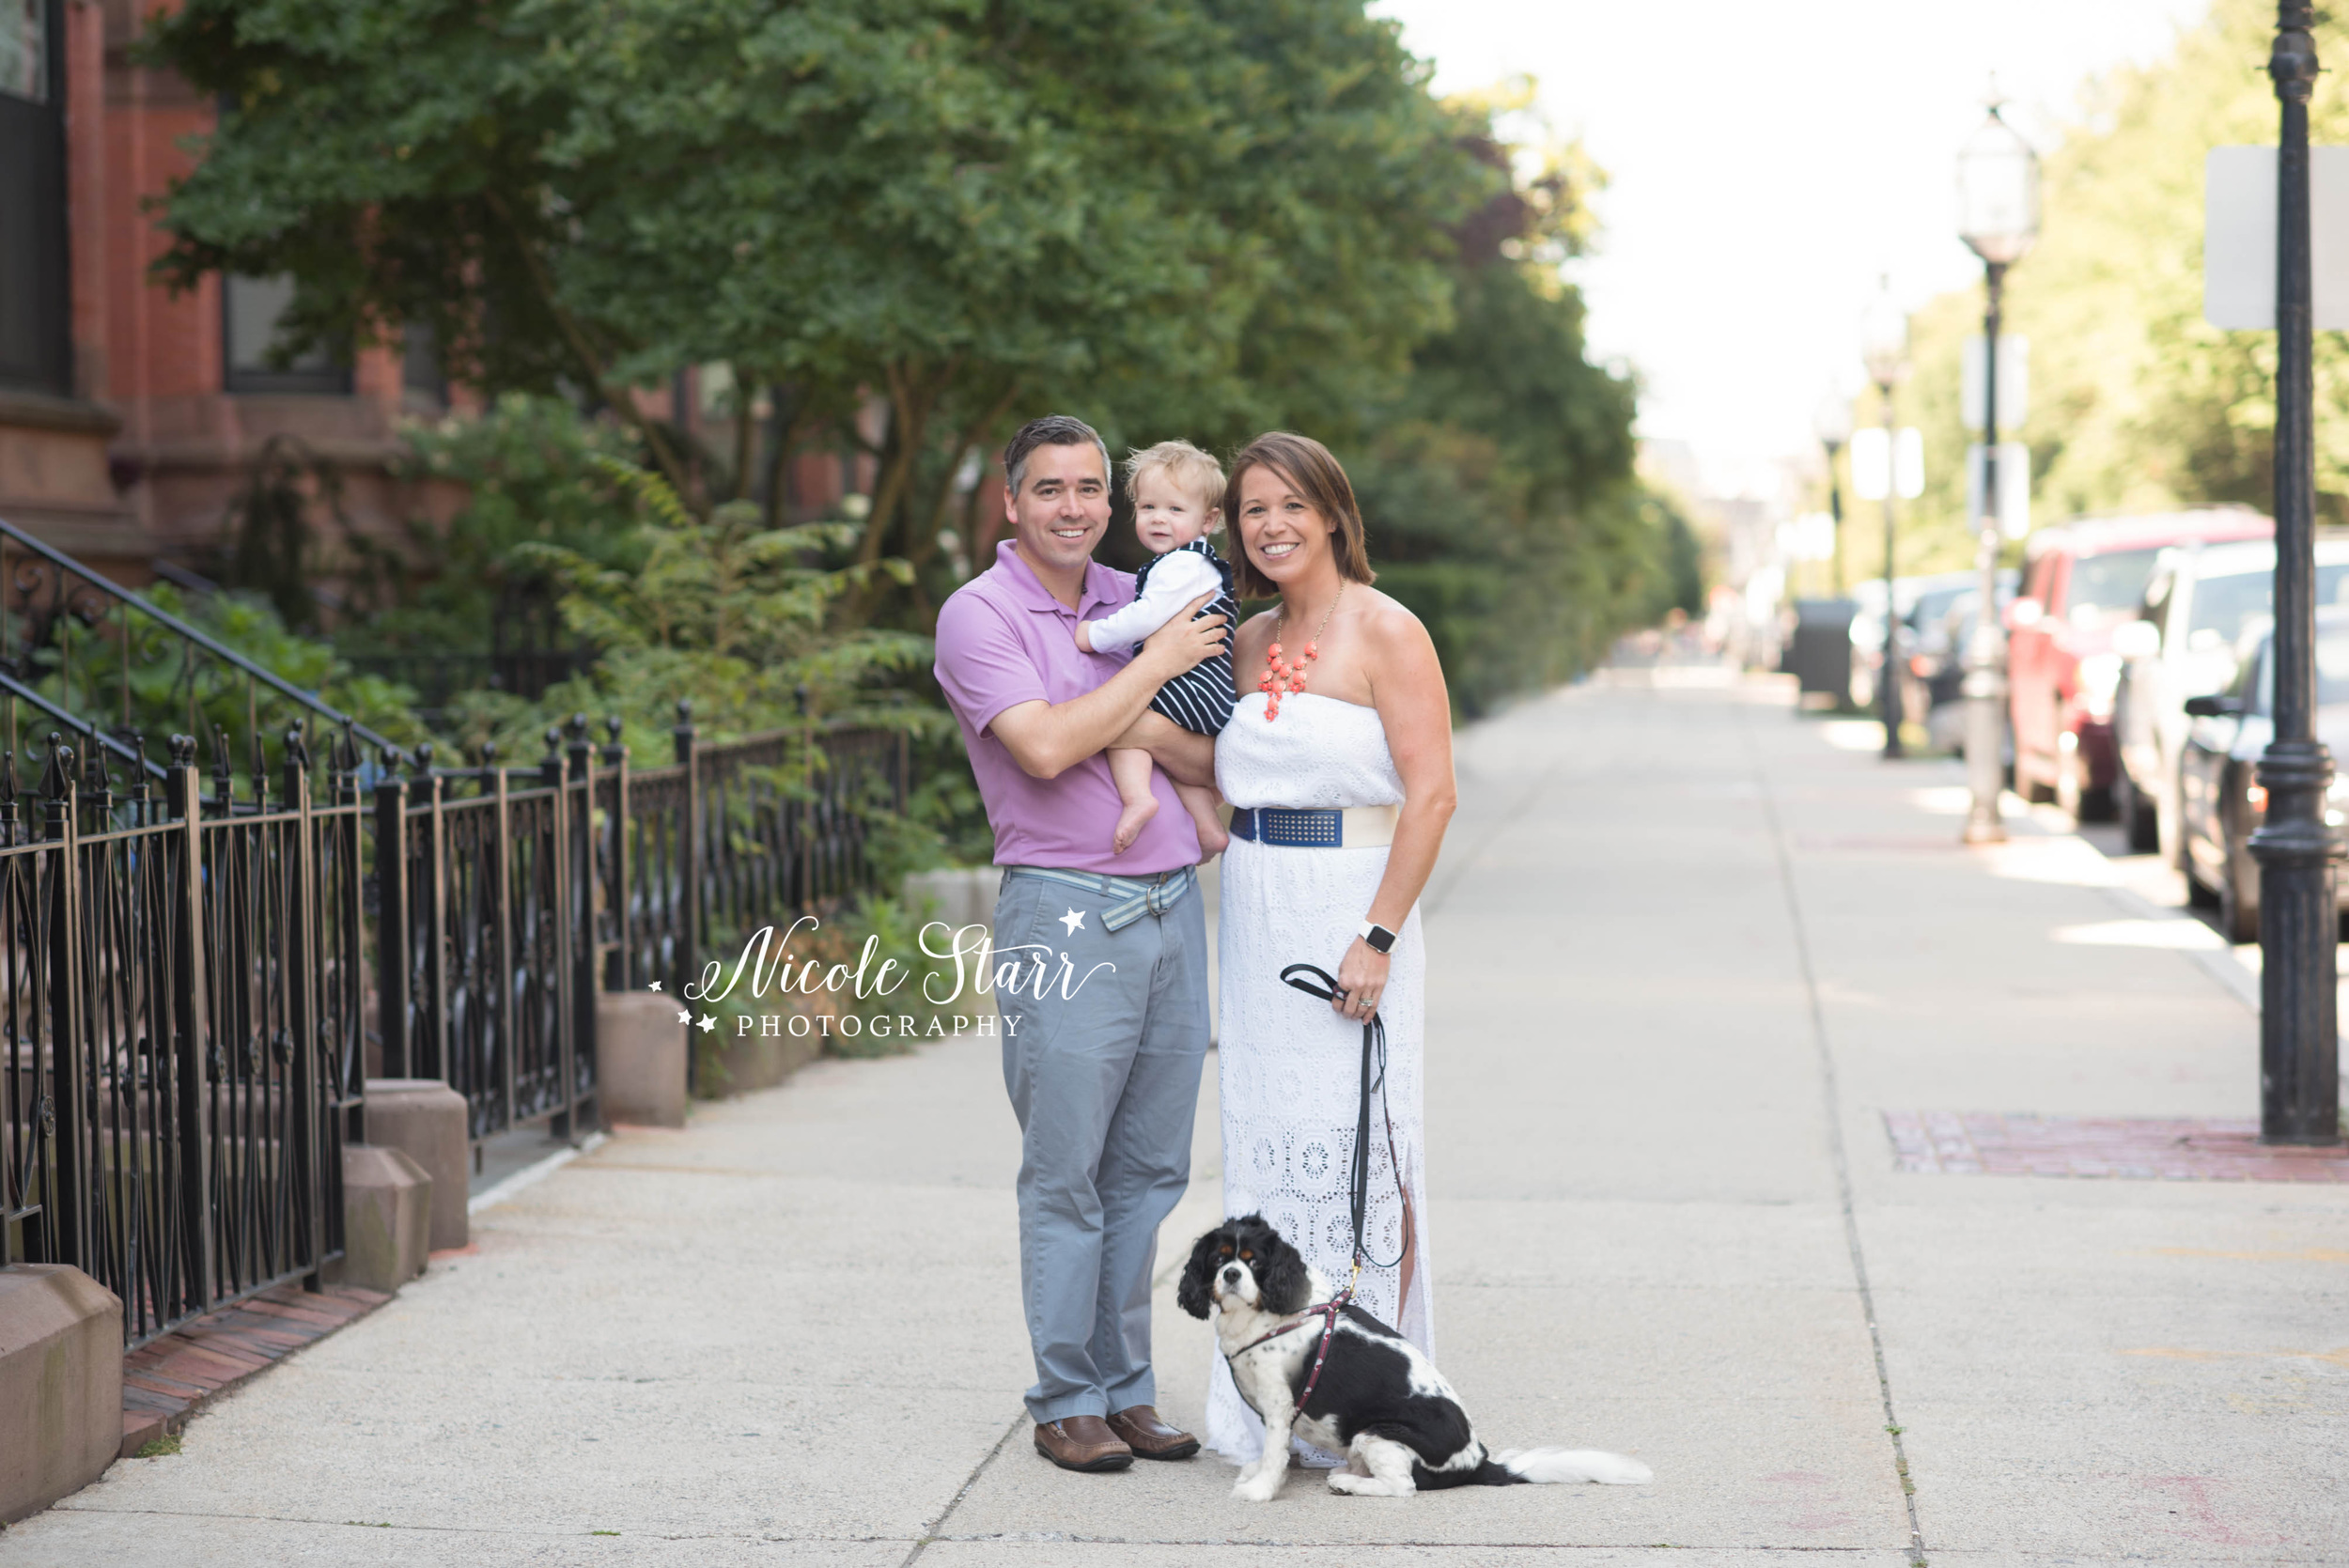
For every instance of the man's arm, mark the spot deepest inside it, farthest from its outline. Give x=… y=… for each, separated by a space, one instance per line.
x=1045 y=739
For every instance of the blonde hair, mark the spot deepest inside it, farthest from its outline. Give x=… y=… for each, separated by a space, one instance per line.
x=1192 y=471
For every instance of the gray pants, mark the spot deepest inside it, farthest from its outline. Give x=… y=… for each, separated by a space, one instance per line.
x=1105 y=1081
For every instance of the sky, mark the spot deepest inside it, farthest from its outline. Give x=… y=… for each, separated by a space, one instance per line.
x=1767 y=162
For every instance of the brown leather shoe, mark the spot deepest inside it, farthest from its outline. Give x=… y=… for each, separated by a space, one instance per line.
x=1150 y=1437
x=1082 y=1443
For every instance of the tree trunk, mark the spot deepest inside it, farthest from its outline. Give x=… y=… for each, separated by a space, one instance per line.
x=912 y=398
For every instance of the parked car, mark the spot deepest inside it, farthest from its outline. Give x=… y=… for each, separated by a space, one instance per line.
x=2199 y=602
x=2081 y=581
x=1940 y=627
x=2220 y=803
x=1914 y=599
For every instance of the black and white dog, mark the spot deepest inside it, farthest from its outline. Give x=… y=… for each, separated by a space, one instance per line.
x=1379 y=1401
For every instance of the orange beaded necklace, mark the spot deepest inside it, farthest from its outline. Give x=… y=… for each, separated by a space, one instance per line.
x=1280 y=675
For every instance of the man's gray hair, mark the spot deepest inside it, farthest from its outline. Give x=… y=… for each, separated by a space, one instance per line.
x=1053 y=430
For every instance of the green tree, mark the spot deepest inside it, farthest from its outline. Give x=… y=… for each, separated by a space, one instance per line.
x=1216 y=210
x=1498 y=485
x=2136 y=403
x=720 y=612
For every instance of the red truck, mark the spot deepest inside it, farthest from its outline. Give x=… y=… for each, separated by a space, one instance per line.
x=2080 y=582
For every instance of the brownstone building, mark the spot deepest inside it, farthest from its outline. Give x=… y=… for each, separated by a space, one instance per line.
x=131 y=415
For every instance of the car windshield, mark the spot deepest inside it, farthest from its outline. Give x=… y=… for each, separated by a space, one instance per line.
x=2332 y=670
x=2224 y=605
x=2109 y=583
x=1935 y=603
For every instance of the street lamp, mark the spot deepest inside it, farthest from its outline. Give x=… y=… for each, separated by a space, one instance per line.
x=1831 y=421
x=1998 y=217
x=2299 y=1040
x=1884 y=349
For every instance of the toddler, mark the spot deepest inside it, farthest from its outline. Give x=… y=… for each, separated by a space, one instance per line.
x=1178 y=500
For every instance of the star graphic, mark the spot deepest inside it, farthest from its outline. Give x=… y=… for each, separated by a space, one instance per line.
x=656 y=985
x=1074 y=920
x=707 y=1023
x=684 y=1017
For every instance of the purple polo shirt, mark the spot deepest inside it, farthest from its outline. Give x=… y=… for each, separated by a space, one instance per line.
x=1003 y=639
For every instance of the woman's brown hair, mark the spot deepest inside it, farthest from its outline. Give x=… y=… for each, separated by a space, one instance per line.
x=1307 y=464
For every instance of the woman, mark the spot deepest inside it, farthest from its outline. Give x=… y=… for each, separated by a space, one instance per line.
x=1342 y=731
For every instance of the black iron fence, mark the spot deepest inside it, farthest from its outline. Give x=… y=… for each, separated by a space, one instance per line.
x=193 y=979
x=196 y=984
x=183 y=1007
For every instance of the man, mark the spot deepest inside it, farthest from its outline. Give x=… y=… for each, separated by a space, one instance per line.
x=1102 y=1065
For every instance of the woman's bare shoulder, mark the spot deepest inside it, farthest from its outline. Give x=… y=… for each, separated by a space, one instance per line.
x=1256 y=630
x=1389 y=626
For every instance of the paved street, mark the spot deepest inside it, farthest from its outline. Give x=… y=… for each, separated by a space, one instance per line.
x=1687 y=952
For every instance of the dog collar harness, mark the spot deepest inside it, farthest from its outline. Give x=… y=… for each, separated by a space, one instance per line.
x=1327 y=1312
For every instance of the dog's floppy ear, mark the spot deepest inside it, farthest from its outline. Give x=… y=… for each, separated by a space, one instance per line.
x=1190 y=1291
x=1282 y=1281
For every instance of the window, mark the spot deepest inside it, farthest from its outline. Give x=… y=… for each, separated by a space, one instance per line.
x=36 y=341
x=24 y=49
x=2108 y=586
x=250 y=311
x=420 y=369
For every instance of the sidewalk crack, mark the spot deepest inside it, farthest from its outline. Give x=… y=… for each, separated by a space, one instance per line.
x=932 y=1531
x=1832 y=1096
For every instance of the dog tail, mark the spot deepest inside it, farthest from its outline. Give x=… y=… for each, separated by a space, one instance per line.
x=1541 y=1466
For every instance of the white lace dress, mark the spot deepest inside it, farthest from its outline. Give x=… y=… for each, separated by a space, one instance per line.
x=1290 y=1066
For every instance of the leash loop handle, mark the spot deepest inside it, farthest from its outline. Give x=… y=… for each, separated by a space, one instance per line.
x=1373 y=1079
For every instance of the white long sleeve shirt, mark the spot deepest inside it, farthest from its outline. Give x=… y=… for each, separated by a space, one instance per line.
x=1176 y=579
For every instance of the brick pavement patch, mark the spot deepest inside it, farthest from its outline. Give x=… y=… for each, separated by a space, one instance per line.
x=171 y=1377
x=2187 y=1149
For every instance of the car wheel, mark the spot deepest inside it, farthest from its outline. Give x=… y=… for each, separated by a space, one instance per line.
x=2238 y=923
x=2140 y=821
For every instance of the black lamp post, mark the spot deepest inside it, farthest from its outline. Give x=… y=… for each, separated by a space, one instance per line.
x=1884 y=349
x=1998 y=217
x=1832 y=421
x=2299 y=1029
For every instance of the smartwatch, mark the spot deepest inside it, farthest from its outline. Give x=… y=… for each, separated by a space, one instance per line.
x=1378 y=937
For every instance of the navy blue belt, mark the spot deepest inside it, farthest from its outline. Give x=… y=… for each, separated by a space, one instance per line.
x=1317 y=827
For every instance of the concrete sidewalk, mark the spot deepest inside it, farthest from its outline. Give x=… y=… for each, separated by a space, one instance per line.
x=1686 y=953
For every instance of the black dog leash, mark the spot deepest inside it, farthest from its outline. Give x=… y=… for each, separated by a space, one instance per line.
x=1374 y=1077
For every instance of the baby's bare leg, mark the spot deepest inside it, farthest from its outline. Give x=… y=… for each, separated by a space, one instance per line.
x=1130 y=768
x=1200 y=801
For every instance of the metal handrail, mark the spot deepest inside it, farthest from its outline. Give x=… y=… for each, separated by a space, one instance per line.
x=310 y=699
x=11 y=685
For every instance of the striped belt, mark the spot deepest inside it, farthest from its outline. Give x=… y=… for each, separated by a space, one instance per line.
x=1317 y=827
x=1134 y=897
